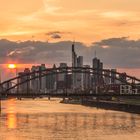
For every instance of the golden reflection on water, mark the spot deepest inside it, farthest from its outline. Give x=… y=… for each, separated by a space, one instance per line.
x=11 y=121
x=98 y=125
x=11 y=115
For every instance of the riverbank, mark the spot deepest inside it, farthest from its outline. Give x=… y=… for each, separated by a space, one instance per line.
x=107 y=105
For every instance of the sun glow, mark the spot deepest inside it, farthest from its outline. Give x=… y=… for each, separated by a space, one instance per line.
x=12 y=66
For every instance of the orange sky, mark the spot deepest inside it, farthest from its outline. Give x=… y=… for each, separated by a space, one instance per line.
x=84 y=20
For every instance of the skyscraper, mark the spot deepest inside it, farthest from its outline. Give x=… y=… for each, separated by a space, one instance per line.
x=74 y=56
x=77 y=78
x=113 y=76
x=74 y=64
x=97 y=66
x=25 y=87
x=61 y=82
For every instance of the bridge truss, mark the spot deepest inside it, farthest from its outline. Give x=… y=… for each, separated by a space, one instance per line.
x=24 y=84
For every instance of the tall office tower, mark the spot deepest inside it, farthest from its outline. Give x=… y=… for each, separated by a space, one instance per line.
x=101 y=79
x=106 y=77
x=113 y=76
x=74 y=56
x=79 y=76
x=80 y=61
x=25 y=87
x=21 y=88
x=38 y=84
x=51 y=79
x=74 y=64
x=43 y=79
x=28 y=84
x=34 y=82
x=96 y=66
x=54 y=78
x=96 y=63
x=86 y=77
x=61 y=82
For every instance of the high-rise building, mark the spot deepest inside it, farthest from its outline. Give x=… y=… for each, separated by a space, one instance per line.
x=74 y=56
x=80 y=61
x=113 y=76
x=98 y=67
x=107 y=77
x=61 y=80
x=38 y=84
x=86 y=77
x=96 y=63
x=74 y=64
x=79 y=76
x=52 y=78
x=43 y=79
x=24 y=87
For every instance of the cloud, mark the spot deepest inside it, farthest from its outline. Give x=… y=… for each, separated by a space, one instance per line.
x=114 y=52
x=115 y=14
x=56 y=34
x=121 y=52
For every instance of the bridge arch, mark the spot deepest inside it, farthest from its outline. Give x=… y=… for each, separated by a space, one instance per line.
x=68 y=70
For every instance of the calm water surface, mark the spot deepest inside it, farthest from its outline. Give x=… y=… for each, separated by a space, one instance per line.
x=50 y=120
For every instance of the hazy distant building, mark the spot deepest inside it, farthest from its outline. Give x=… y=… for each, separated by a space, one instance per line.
x=113 y=76
x=97 y=65
x=86 y=77
x=38 y=83
x=107 y=77
x=51 y=79
x=61 y=77
x=24 y=87
x=79 y=76
x=42 y=68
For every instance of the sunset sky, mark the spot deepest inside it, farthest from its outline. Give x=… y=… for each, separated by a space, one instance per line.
x=34 y=31
x=84 y=20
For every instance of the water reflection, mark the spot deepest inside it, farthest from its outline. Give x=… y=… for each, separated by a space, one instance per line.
x=68 y=125
x=98 y=124
x=11 y=120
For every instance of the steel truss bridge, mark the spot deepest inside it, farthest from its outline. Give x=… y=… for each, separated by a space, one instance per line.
x=12 y=87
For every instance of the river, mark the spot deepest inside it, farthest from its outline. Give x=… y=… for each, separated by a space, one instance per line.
x=41 y=119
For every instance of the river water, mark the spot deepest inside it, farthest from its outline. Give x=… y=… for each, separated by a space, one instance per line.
x=41 y=119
